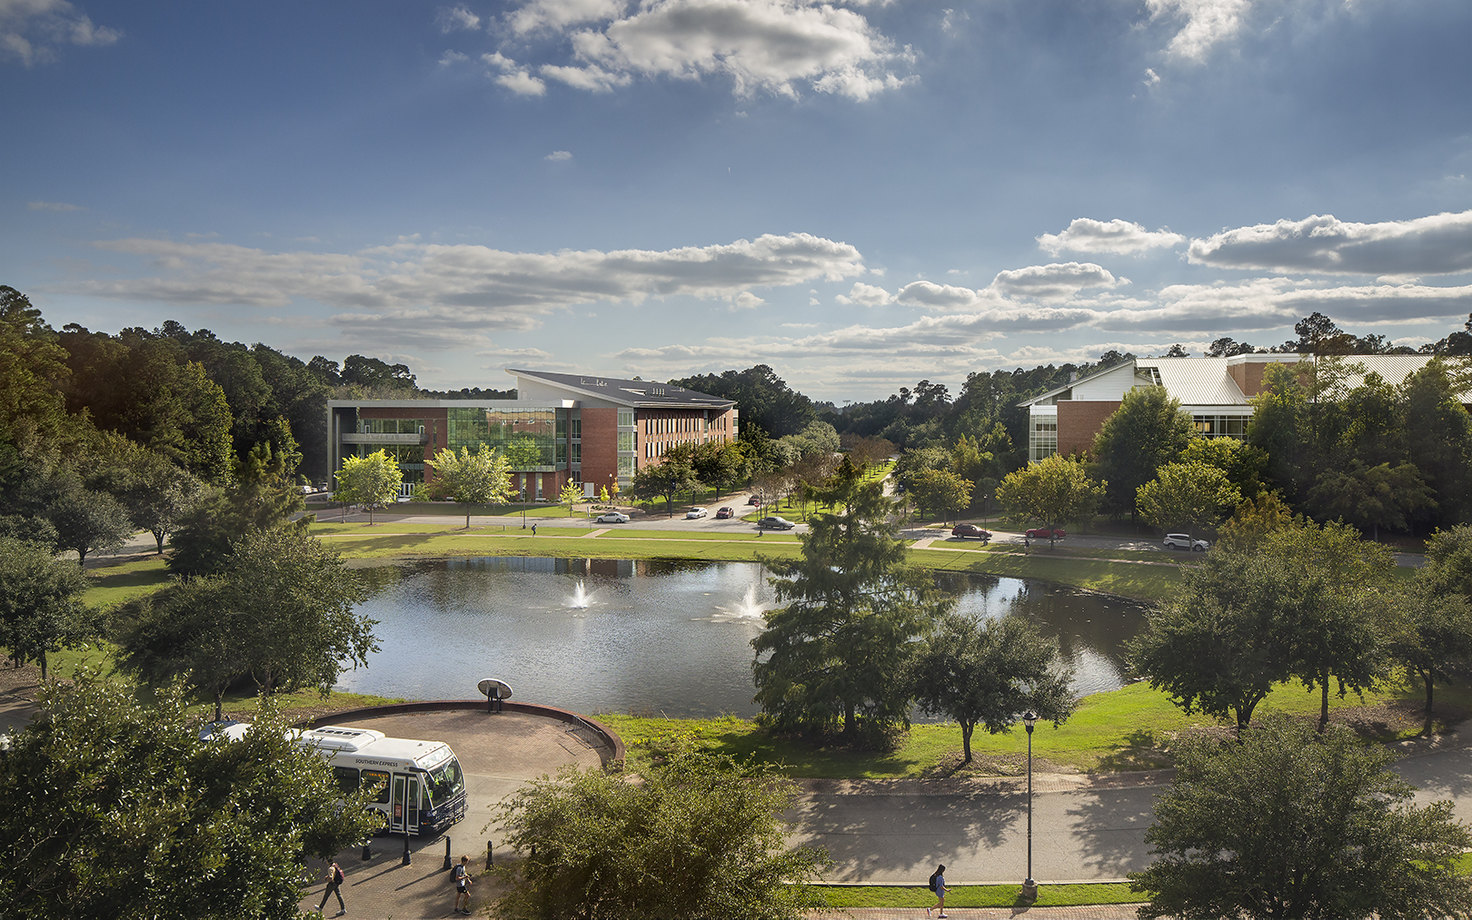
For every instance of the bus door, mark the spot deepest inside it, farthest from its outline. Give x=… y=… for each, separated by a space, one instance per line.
x=404 y=804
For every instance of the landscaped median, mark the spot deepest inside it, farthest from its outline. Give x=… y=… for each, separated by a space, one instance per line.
x=847 y=897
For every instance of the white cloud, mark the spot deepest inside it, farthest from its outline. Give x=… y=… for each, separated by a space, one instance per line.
x=1434 y=245
x=435 y=293
x=455 y=19
x=452 y=58
x=522 y=83
x=760 y=46
x=1113 y=237
x=555 y=15
x=57 y=206
x=1204 y=24
x=1055 y=281
x=559 y=156
x=866 y=295
x=31 y=31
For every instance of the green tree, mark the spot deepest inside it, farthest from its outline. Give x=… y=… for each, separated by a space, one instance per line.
x=1188 y=497
x=987 y=672
x=1432 y=408
x=666 y=479
x=481 y=478
x=1052 y=491
x=187 y=632
x=1369 y=497
x=1290 y=824
x=372 y=481
x=720 y=464
x=698 y=838
x=85 y=520
x=1147 y=431
x=1435 y=641
x=836 y=652
x=766 y=400
x=1243 y=464
x=41 y=609
x=32 y=372
x=292 y=602
x=150 y=821
x=205 y=537
x=940 y=491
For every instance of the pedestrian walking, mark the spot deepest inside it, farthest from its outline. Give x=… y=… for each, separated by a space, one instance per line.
x=335 y=879
x=938 y=885
x=462 y=885
x=534 y=530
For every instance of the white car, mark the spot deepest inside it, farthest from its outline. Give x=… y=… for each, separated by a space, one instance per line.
x=612 y=517
x=1184 y=541
x=694 y=513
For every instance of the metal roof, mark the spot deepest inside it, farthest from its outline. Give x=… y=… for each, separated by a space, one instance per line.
x=639 y=394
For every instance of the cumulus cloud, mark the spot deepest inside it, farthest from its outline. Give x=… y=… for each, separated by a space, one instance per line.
x=435 y=292
x=559 y=156
x=455 y=19
x=1112 y=237
x=866 y=295
x=760 y=46
x=1055 y=281
x=522 y=83
x=32 y=31
x=1435 y=245
x=1204 y=24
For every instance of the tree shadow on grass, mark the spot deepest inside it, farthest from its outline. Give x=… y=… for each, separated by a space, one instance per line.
x=1141 y=750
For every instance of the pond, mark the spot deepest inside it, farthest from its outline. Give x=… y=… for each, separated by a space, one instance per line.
x=647 y=636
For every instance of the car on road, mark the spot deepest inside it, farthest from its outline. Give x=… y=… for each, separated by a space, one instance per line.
x=1046 y=533
x=694 y=513
x=726 y=512
x=775 y=523
x=1184 y=541
x=971 y=530
x=754 y=500
x=612 y=517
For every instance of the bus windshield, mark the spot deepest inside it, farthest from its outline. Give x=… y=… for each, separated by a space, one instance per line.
x=444 y=782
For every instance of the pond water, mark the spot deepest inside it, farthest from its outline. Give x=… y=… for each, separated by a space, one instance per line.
x=647 y=636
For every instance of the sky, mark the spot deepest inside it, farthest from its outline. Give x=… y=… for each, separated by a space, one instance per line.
x=861 y=194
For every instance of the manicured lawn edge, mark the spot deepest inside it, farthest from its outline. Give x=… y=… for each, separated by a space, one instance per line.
x=918 y=896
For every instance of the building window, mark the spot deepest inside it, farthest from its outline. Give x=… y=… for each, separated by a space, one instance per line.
x=1043 y=437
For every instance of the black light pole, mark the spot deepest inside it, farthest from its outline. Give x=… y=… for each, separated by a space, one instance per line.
x=522 y=495
x=1029 y=887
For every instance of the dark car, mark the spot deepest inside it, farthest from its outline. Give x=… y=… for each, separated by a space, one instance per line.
x=1046 y=533
x=775 y=523
x=971 y=530
x=754 y=500
x=726 y=512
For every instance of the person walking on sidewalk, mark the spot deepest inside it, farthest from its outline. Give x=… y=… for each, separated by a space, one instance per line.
x=335 y=879
x=462 y=885
x=938 y=885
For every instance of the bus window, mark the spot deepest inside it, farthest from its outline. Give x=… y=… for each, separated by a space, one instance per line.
x=444 y=783
x=380 y=779
x=347 y=779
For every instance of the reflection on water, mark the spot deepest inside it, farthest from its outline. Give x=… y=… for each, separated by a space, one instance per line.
x=601 y=635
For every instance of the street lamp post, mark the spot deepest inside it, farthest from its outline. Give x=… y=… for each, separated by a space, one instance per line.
x=522 y=495
x=1029 y=887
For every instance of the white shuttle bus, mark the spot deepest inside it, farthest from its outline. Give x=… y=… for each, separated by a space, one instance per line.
x=421 y=787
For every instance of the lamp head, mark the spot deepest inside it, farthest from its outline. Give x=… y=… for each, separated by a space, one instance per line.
x=1029 y=719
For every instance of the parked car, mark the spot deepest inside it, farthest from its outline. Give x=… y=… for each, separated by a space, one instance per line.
x=694 y=513
x=726 y=512
x=754 y=500
x=1046 y=533
x=775 y=523
x=612 y=517
x=1184 y=541
x=971 y=530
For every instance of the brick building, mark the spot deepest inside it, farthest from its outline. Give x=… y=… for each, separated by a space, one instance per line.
x=560 y=428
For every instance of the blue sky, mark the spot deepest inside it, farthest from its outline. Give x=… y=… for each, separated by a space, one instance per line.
x=860 y=194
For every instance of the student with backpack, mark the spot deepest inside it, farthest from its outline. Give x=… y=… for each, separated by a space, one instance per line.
x=335 y=879
x=938 y=885
x=461 y=877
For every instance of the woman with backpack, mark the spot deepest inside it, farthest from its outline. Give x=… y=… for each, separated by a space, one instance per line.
x=334 y=887
x=938 y=885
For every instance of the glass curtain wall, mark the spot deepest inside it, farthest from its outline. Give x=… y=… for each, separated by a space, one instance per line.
x=533 y=439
